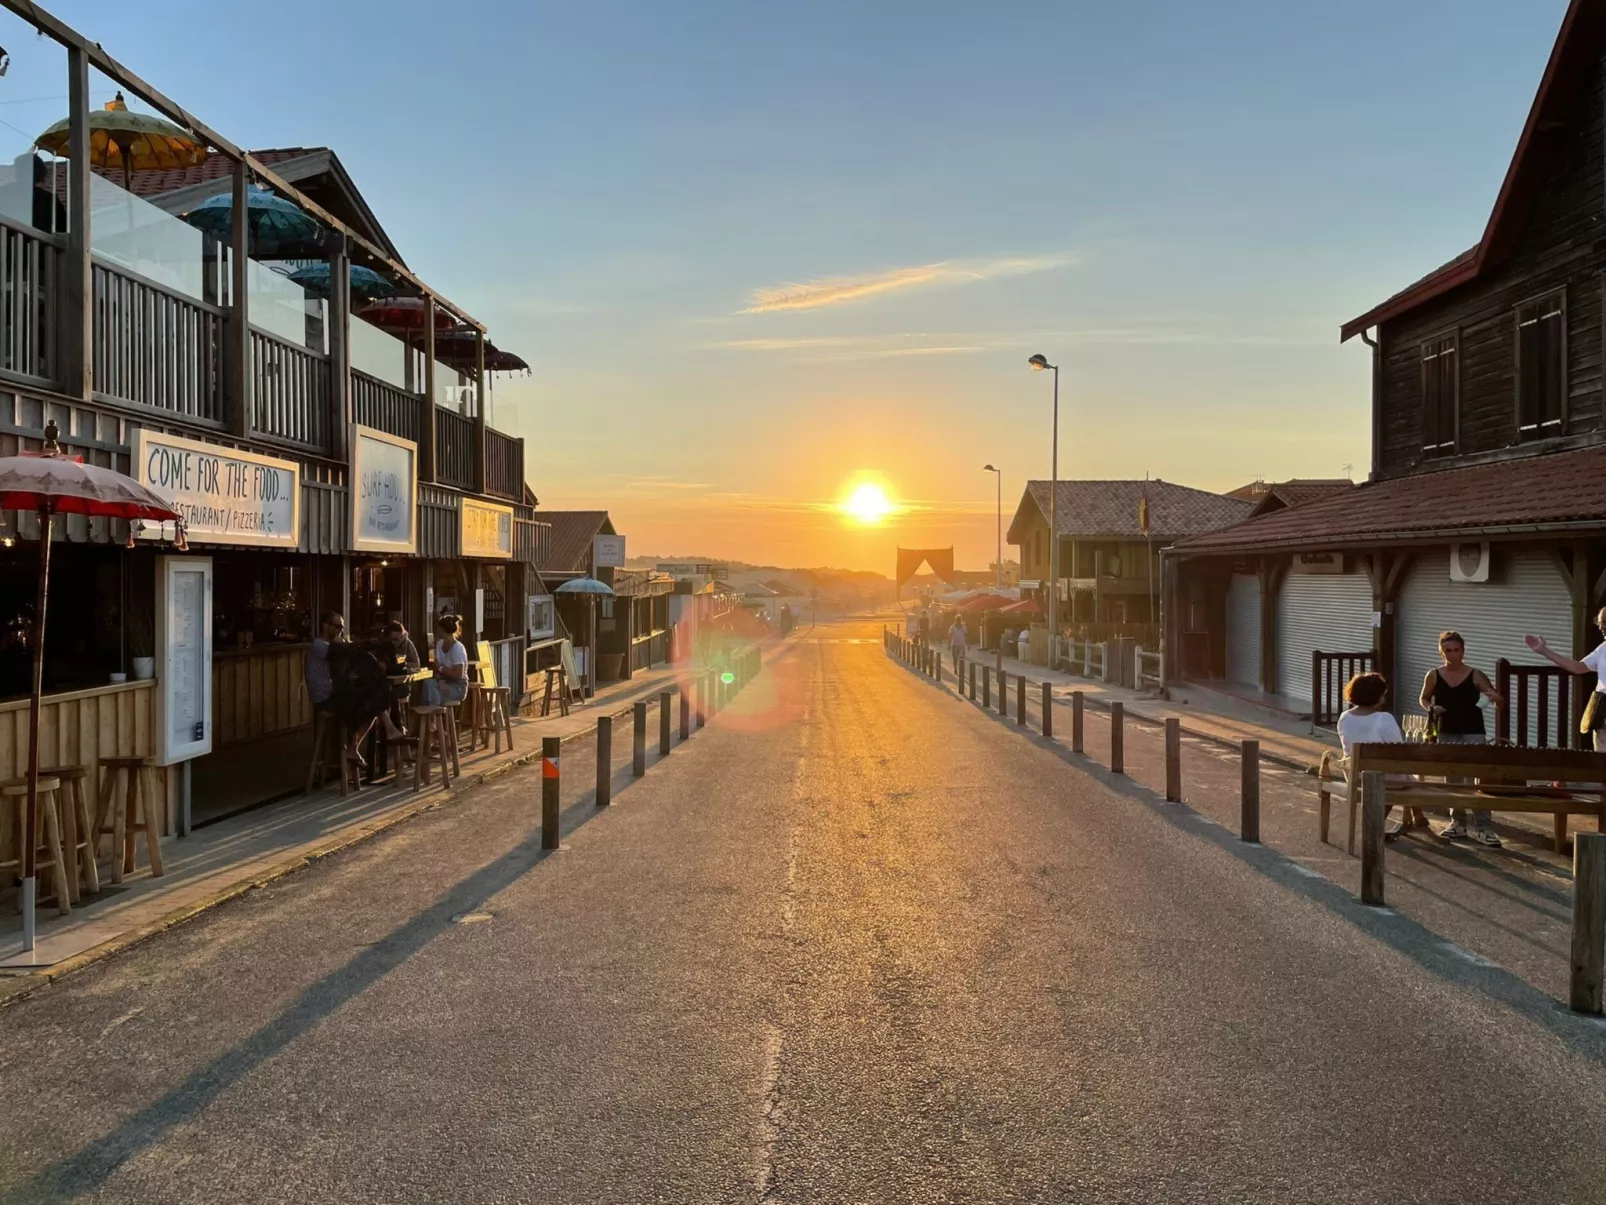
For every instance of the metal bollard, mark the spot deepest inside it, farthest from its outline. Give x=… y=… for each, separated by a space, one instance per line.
x=1374 y=807
x=1020 y=699
x=550 y=783
x=638 y=739
x=666 y=703
x=604 y=760
x=986 y=686
x=1118 y=738
x=1078 y=718
x=1173 y=760
x=1048 y=710
x=685 y=711
x=1589 y=921
x=1249 y=792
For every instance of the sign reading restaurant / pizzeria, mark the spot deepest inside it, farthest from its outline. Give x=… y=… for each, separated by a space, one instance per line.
x=224 y=495
x=384 y=492
x=487 y=529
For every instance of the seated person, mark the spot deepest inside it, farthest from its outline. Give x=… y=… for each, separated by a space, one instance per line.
x=1364 y=722
x=450 y=683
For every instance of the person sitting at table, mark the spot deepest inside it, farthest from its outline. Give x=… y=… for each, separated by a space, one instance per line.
x=1365 y=722
x=363 y=694
x=407 y=658
x=450 y=683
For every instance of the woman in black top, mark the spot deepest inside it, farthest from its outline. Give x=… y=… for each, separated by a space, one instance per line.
x=1451 y=694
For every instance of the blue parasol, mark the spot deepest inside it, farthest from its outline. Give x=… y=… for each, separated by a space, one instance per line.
x=366 y=284
x=594 y=589
x=278 y=228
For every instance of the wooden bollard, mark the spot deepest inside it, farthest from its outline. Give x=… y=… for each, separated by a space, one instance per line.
x=1173 y=760
x=1003 y=692
x=986 y=686
x=1589 y=921
x=702 y=699
x=1078 y=721
x=638 y=738
x=970 y=671
x=1249 y=792
x=551 y=801
x=1374 y=807
x=937 y=664
x=685 y=712
x=1048 y=709
x=604 y=760
x=1118 y=738
x=1020 y=699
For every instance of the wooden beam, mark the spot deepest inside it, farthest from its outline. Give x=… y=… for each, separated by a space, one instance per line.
x=340 y=415
x=75 y=345
x=48 y=24
x=480 y=436
x=426 y=430
x=1578 y=584
x=238 y=411
x=1269 y=571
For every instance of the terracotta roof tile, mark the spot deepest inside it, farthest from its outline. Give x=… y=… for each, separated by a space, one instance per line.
x=1564 y=489
x=572 y=532
x=1110 y=508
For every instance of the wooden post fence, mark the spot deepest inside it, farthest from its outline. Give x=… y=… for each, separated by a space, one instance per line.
x=604 y=760
x=1374 y=806
x=1173 y=760
x=1078 y=721
x=1249 y=792
x=1589 y=921
x=1048 y=710
x=1118 y=738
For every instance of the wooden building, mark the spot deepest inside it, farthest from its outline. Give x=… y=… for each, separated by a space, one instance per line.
x=1485 y=508
x=323 y=461
x=1109 y=565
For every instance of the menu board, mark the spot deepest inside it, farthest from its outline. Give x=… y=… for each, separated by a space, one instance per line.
x=487 y=529
x=384 y=492
x=183 y=658
x=224 y=495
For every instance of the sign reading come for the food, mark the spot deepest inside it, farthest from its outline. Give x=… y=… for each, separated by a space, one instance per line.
x=224 y=495
x=487 y=529
x=384 y=492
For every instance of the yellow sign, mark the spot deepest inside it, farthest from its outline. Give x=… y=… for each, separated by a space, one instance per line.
x=487 y=530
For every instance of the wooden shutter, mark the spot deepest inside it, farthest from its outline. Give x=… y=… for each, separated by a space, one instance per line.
x=1541 y=367
x=1439 y=396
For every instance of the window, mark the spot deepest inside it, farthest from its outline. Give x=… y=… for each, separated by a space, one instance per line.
x=1037 y=547
x=1541 y=367
x=1440 y=382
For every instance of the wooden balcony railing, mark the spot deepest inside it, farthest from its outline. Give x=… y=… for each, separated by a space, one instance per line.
x=377 y=403
x=1329 y=674
x=28 y=274
x=156 y=348
x=504 y=465
x=454 y=449
x=1544 y=703
x=291 y=391
x=532 y=541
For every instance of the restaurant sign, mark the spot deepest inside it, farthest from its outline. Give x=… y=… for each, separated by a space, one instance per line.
x=384 y=492
x=487 y=529
x=224 y=495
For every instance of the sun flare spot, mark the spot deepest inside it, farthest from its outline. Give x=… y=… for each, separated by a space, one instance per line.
x=867 y=503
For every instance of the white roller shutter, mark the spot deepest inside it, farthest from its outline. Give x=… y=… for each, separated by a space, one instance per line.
x=1525 y=593
x=1243 y=630
x=1327 y=611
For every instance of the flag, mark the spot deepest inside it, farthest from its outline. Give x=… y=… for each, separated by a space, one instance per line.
x=1143 y=511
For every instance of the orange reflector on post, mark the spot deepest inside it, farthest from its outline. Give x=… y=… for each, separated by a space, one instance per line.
x=549 y=767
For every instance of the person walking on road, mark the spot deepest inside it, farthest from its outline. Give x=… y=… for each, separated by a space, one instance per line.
x=1593 y=662
x=1450 y=695
x=957 y=639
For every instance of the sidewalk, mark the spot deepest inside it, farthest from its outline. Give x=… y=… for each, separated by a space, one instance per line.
x=242 y=851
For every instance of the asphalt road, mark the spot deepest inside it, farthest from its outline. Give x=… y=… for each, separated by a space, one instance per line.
x=854 y=942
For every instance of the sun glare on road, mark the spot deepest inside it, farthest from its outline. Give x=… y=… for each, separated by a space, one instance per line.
x=868 y=503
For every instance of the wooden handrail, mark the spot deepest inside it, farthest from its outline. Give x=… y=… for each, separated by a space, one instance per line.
x=58 y=240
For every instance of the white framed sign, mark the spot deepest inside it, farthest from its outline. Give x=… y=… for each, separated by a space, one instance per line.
x=608 y=551
x=384 y=492
x=224 y=495
x=183 y=658
x=542 y=619
x=487 y=529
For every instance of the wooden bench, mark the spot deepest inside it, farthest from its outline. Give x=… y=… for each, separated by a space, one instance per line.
x=1507 y=779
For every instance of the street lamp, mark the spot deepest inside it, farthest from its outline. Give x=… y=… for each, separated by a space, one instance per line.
x=998 y=564
x=1040 y=363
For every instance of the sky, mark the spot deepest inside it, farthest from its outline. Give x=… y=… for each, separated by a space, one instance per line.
x=757 y=254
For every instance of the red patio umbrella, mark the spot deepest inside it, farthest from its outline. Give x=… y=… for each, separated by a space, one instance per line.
x=984 y=602
x=49 y=484
x=405 y=314
x=1027 y=606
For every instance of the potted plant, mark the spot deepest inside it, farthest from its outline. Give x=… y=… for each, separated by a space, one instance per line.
x=140 y=624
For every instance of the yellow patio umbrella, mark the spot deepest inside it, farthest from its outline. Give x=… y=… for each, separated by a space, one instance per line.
x=131 y=141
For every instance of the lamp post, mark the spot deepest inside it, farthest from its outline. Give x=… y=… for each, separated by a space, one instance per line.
x=998 y=563
x=1040 y=363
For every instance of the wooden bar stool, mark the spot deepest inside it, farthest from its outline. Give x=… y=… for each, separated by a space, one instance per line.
x=327 y=729
x=491 y=715
x=77 y=830
x=436 y=743
x=124 y=820
x=47 y=833
x=557 y=680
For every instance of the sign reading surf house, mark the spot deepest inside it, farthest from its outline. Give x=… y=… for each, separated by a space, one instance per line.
x=225 y=496
x=487 y=529
x=384 y=488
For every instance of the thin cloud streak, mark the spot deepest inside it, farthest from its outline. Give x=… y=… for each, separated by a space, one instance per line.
x=841 y=290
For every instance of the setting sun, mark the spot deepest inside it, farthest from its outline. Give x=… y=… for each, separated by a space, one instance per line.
x=868 y=503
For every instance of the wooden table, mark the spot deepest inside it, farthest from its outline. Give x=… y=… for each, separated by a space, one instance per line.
x=378 y=746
